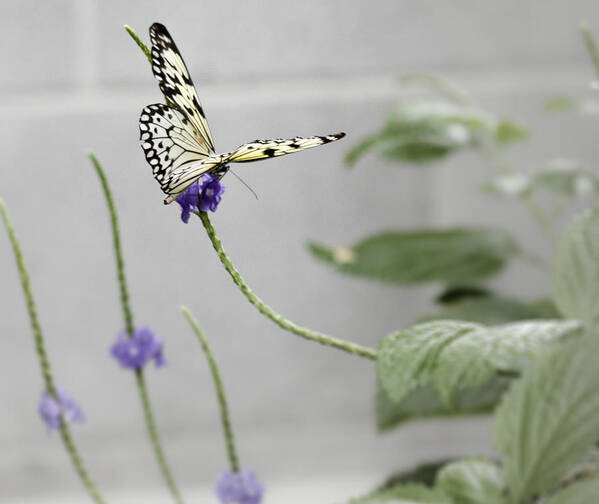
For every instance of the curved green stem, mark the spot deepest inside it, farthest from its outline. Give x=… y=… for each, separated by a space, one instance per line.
x=220 y=391
x=42 y=355
x=267 y=311
x=129 y=326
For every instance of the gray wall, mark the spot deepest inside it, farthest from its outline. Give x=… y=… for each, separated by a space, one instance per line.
x=73 y=81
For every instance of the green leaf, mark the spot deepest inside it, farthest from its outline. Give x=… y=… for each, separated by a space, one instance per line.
x=508 y=131
x=472 y=360
x=423 y=256
x=403 y=494
x=424 y=402
x=549 y=419
x=424 y=474
x=408 y=359
x=576 y=270
x=423 y=130
x=455 y=355
x=472 y=481
x=581 y=492
x=559 y=103
x=493 y=309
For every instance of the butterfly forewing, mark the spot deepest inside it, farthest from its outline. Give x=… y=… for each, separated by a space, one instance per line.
x=263 y=149
x=175 y=82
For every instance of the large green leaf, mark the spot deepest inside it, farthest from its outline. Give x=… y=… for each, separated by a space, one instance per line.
x=424 y=402
x=472 y=481
x=576 y=272
x=493 y=309
x=404 y=494
x=454 y=355
x=412 y=257
x=581 y=492
x=549 y=419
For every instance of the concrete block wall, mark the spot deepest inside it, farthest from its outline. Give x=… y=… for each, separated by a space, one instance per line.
x=73 y=81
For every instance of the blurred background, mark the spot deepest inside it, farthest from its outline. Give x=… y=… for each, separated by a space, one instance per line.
x=73 y=81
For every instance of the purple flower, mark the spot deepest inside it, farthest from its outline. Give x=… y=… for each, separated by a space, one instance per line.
x=51 y=409
x=242 y=487
x=134 y=352
x=203 y=195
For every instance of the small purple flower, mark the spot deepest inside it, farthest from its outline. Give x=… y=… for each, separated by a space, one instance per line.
x=203 y=195
x=135 y=352
x=242 y=487
x=51 y=409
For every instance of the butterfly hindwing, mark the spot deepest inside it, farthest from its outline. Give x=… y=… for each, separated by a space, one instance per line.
x=175 y=82
x=263 y=149
x=169 y=143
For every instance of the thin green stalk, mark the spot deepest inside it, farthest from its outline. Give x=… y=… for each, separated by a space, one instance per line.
x=120 y=263
x=155 y=438
x=129 y=326
x=139 y=42
x=267 y=311
x=44 y=361
x=589 y=43
x=220 y=391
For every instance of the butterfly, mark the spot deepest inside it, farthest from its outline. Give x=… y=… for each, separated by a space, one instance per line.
x=175 y=137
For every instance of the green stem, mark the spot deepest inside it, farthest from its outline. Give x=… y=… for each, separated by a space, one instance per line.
x=220 y=391
x=120 y=263
x=129 y=326
x=589 y=43
x=139 y=42
x=43 y=359
x=155 y=438
x=267 y=311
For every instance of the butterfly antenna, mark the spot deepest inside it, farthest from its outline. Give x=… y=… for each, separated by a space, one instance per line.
x=244 y=183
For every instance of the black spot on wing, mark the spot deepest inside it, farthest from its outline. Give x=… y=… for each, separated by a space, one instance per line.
x=269 y=152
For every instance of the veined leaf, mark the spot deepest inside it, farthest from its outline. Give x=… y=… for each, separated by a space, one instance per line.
x=580 y=492
x=424 y=402
x=404 y=494
x=412 y=257
x=493 y=309
x=424 y=474
x=549 y=419
x=455 y=355
x=576 y=271
x=472 y=481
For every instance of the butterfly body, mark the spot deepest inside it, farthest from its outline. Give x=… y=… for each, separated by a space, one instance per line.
x=176 y=139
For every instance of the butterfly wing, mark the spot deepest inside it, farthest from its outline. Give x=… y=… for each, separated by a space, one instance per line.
x=253 y=151
x=171 y=146
x=263 y=149
x=176 y=84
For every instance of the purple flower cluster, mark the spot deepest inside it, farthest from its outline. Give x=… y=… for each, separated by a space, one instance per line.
x=51 y=409
x=203 y=195
x=242 y=487
x=135 y=352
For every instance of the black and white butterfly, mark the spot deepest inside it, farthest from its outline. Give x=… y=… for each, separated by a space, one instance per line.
x=176 y=139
